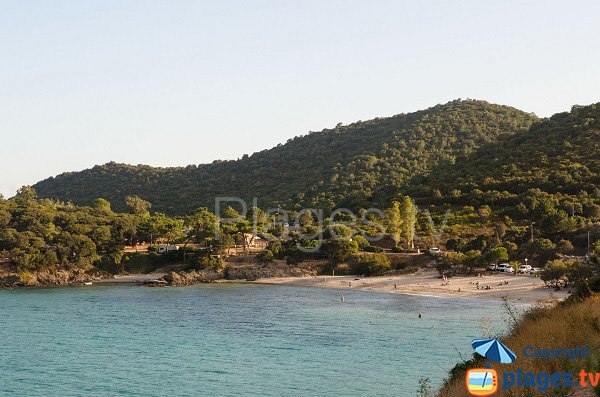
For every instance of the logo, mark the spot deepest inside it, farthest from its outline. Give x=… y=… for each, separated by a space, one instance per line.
x=482 y=381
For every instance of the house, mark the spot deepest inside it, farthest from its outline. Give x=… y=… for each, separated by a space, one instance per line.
x=255 y=241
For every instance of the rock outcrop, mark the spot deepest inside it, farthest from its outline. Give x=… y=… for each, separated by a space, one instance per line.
x=242 y=271
x=192 y=277
x=50 y=277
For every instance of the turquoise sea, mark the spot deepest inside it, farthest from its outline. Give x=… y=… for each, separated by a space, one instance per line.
x=230 y=340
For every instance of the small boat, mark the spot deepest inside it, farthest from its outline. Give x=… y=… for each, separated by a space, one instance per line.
x=156 y=283
x=87 y=283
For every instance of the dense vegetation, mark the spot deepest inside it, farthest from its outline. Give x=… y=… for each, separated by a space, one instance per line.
x=558 y=158
x=485 y=187
x=357 y=165
x=40 y=235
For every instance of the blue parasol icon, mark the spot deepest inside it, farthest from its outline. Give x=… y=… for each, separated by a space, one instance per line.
x=494 y=350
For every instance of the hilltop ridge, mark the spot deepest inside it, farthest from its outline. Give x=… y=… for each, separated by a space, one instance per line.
x=357 y=165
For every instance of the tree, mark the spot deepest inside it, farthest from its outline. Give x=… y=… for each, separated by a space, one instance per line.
x=595 y=254
x=25 y=195
x=339 y=231
x=201 y=226
x=258 y=219
x=554 y=274
x=102 y=205
x=540 y=250
x=339 y=250
x=234 y=224
x=222 y=244
x=496 y=254
x=409 y=219
x=159 y=226
x=137 y=205
x=565 y=247
x=393 y=219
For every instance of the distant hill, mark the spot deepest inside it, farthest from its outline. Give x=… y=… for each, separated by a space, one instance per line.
x=558 y=157
x=358 y=165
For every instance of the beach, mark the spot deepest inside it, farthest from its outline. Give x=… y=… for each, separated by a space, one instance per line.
x=426 y=282
x=519 y=288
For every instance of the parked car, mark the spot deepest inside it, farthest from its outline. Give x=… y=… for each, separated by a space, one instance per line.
x=524 y=269
x=493 y=267
x=535 y=270
x=505 y=268
x=435 y=251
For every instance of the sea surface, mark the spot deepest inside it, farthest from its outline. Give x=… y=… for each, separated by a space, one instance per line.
x=231 y=340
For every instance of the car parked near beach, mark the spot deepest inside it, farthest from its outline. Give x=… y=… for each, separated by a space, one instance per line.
x=435 y=251
x=535 y=271
x=493 y=267
x=524 y=269
x=505 y=268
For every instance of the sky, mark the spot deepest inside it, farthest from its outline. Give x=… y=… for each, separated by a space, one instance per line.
x=179 y=82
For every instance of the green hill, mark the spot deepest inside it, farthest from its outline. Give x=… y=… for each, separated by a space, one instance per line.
x=357 y=165
x=558 y=159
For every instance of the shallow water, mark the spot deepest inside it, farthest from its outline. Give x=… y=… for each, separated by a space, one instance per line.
x=230 y=340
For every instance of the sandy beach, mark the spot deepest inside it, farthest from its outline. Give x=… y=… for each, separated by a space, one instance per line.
x=517 y=288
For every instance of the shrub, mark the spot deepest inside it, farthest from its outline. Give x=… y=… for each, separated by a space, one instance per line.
x=555 y=273
x=206 y=262
x=363 y=243
x=265 y=256
x=565 y=247
x=370 y=265
x=26 y=277
x=372 y=248
x=138 y=263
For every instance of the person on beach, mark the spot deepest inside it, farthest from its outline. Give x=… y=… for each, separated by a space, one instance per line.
x=395 y=286
x=420 y=315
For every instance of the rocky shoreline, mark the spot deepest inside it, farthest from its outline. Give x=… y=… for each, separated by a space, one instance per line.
x=249 y=272
x=51 y=278
x=231 y=272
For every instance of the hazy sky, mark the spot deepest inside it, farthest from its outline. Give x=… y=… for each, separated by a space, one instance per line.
x=186 y=82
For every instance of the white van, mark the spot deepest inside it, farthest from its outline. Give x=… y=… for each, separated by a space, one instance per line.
x=163 y=249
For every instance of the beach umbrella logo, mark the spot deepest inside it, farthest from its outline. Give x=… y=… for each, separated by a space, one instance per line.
x=494 y=350
x=482 y=381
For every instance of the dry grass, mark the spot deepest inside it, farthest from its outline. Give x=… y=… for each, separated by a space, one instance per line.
x=561 y=326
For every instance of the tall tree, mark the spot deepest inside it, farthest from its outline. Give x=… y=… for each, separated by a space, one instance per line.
x=409 y=219
x=393 y=219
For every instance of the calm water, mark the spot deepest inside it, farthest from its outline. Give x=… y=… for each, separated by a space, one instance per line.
x=229 y=340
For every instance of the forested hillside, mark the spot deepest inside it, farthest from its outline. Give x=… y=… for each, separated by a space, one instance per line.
x=557 y=159
x=357 y=165
x=517 y=187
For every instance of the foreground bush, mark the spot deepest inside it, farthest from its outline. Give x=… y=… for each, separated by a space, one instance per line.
x=566 y=325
